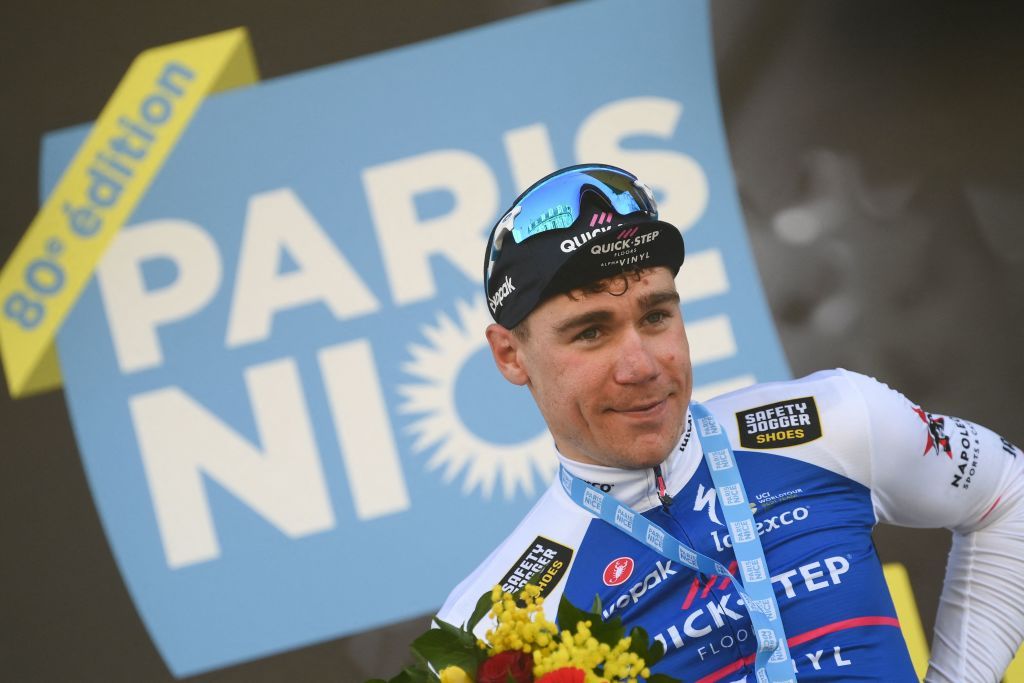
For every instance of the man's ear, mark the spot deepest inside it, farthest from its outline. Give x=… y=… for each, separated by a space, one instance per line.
x=505 y=347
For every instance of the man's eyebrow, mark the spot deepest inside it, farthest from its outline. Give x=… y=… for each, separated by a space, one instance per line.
x=654 y=299
x=582 y=320
x=645 y=302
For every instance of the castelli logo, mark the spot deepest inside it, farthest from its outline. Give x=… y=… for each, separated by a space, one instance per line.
x=618 y=571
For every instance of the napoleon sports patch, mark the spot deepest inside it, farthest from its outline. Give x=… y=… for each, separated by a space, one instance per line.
x=778 y=425
x=544 y=563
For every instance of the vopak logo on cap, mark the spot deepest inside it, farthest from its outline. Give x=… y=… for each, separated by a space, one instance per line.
x=498 y=299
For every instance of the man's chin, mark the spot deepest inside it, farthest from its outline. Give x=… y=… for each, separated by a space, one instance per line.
x=639 y=458
x=650 y=449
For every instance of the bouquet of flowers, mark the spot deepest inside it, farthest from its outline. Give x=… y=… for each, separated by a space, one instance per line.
x=523 y=646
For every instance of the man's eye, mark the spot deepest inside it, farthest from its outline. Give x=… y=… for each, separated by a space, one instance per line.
x=589 y=334
x=655 y=317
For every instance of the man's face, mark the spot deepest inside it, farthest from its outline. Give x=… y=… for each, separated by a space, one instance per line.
x=610 y=373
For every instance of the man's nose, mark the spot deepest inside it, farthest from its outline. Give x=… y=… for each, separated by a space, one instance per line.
x=635 y=362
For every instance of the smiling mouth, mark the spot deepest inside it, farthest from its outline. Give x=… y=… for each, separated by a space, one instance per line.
x=641 y=409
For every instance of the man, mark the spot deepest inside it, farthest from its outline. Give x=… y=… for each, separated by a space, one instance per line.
x=579 y=276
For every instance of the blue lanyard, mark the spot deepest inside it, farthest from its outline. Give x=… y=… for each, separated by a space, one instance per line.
x=772 y=664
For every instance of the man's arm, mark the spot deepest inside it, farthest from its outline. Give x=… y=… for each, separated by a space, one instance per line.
x=978 y=628
x=931 y=470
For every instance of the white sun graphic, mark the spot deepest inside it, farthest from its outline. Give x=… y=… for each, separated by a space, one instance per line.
x=439 y=427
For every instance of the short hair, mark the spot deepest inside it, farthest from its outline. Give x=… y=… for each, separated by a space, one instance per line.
x=616 y=285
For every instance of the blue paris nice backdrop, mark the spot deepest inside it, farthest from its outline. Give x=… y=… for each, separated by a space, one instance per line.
x=278 y=379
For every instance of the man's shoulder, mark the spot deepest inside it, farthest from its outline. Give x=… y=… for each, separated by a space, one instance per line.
x=833 y=385
x=820 y=418
x=544 y=542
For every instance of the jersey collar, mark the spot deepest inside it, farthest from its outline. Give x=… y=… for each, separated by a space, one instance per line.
x=637 y=488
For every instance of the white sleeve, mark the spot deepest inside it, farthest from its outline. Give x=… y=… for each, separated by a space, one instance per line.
x=935 y=470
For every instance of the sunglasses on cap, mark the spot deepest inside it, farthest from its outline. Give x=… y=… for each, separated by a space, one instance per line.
x=553 y=203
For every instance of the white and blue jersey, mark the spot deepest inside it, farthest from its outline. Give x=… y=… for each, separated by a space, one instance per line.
x=822 y=459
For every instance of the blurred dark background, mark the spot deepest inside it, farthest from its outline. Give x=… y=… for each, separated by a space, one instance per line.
x=878 y=153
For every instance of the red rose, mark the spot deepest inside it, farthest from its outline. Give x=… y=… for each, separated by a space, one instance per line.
x=567 y=674
x=510 y=665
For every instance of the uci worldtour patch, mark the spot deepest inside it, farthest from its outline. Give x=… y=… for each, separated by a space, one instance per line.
x=778 y=425
x=544 y=564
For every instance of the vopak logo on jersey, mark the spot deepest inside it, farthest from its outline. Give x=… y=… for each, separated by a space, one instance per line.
x=662 y=570
x=778 y=425
x=618 y=571
x=544 y=563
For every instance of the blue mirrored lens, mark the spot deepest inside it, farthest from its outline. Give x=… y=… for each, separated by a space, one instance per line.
x=555 y=203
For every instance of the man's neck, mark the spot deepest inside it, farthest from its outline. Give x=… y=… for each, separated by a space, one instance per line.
x=638 y=488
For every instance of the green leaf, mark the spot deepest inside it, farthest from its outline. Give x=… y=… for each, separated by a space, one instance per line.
x=608 y=632
x=483 y=606
x=409 y=674
x=638 y=643
x=655 y=653
x=595 y=607
x=648 y=650
x=412 y=674
x=461 y=634
x=449 y=646
x=569 y=615
x=421 y=662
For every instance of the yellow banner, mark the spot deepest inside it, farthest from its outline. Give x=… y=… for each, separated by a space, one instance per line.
x=109 y=175
x=898 y=580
